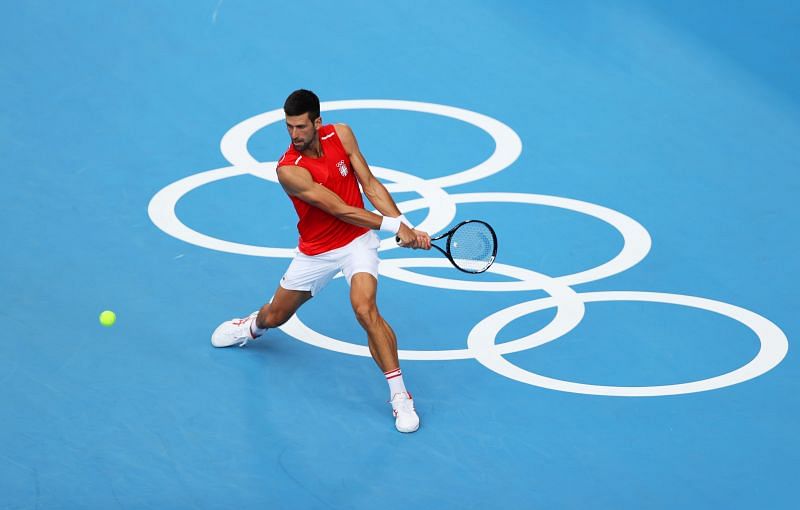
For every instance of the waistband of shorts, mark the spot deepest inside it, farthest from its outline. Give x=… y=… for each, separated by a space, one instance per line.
x=337 y=251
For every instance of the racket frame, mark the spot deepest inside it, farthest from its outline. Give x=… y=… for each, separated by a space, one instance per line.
x=449 y=236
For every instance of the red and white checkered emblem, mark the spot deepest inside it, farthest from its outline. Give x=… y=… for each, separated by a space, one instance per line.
x=342 y=168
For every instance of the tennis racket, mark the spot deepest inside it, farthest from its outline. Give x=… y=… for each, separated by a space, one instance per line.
x=471 y=246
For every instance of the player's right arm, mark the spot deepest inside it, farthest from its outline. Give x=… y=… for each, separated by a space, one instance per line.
x=297 y=182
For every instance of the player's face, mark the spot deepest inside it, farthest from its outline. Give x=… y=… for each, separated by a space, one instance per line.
x=302 y=130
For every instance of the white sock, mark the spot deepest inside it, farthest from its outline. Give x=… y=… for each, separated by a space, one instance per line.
x=395 y=380
x=255 y=331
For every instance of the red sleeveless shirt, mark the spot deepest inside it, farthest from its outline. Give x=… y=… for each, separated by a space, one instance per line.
x=319 y=231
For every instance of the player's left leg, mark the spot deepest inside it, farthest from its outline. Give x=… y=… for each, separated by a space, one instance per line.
x=383 y=347
x=380 y=337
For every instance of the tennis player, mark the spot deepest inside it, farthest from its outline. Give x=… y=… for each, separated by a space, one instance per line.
x=321 y=172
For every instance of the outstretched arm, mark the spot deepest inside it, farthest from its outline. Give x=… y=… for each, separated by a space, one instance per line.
x=298 y=183
x=373 y=188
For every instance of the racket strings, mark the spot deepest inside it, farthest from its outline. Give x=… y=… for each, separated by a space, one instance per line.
x=472 y=247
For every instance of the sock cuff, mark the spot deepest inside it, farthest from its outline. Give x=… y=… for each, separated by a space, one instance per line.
x=255 y=331
x=391 y=374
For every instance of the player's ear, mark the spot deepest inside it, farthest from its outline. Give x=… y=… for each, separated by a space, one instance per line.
x=318 y=122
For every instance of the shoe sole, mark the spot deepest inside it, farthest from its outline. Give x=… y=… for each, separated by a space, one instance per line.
x=407 y=431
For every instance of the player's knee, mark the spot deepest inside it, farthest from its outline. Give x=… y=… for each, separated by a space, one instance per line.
x=366 y=313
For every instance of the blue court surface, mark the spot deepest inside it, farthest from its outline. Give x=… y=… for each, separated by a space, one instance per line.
x=631 y=347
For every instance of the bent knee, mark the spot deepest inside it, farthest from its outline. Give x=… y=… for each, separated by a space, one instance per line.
x=366 y=313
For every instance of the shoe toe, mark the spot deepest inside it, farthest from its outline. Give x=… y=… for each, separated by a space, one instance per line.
x=407 y=422
x=219 y=338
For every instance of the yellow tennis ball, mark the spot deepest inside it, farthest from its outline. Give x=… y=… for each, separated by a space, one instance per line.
x=108 y=318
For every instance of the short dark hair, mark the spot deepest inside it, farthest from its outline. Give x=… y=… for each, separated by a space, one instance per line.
x=302 y=101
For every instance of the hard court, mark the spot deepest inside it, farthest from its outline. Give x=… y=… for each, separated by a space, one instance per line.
x=630 y=348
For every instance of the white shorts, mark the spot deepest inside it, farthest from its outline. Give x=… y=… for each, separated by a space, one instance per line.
x=313 y=272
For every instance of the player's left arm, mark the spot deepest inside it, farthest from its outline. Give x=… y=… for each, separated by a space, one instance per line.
x=374 y=189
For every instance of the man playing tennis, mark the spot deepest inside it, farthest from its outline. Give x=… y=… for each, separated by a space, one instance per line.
x=321 y=172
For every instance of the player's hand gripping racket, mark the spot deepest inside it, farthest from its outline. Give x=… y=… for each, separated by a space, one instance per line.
x=471 y=246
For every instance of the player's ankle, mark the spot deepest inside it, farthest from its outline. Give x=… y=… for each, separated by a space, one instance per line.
x=395 y=380
x=255 y=331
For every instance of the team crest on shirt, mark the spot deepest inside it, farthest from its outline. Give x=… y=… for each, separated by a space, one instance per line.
x=342 y=166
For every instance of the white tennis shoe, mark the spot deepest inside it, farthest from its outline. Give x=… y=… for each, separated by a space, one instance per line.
x=405 y=417
x=233 y=332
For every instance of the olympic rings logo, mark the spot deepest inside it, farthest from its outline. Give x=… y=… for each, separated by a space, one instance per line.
x=441 y=206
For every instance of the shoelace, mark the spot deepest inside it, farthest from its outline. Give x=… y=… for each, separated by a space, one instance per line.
x=240 y=322
x=403 y=404
x=247 y=322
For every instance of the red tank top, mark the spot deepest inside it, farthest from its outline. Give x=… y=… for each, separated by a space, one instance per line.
x=319 y=231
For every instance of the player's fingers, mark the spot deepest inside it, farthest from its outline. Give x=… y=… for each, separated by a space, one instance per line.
x=424 y=241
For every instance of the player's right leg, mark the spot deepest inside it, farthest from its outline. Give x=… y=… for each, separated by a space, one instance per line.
x=283 y=305
x=305 y=276
x=273 y=314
